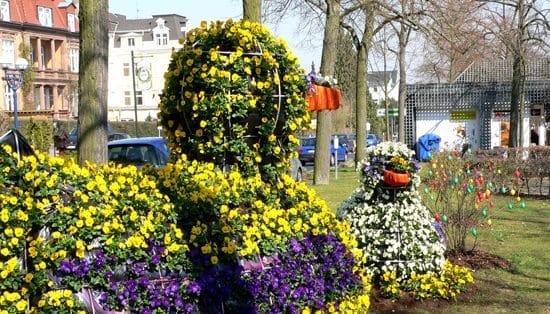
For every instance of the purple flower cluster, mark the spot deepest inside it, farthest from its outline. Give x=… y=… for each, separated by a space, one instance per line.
x=376 y=167
x=144 y=284
x=222 y=287
x=440 y=233
x=313 y=272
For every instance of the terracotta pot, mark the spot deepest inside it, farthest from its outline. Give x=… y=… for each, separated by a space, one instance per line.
x=396 y=179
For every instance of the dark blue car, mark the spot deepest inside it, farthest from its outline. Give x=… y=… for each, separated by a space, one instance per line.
x=306 y=151
x=139 y=151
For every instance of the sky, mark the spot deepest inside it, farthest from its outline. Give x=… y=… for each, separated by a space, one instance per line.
x=213 y=10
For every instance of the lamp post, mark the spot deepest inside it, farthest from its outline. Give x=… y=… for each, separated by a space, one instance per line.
x=14 y=79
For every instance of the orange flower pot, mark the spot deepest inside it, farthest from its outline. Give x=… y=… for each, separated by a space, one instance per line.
x=396 y=179
x=324 y=98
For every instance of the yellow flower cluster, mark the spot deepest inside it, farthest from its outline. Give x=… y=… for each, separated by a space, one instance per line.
x=452 y=280
x=253 y=217
x=112 y=207
x=12 y=302
x=229 y=92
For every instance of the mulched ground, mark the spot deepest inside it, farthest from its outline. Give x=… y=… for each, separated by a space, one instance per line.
x=475 y=260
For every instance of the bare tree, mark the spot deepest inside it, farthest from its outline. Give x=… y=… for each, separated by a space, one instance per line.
x=358 y=20
x=92 y=106
x=454 y=38
x=518 y=24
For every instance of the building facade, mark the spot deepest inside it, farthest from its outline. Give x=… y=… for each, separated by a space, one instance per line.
x=139 y=53
x=382 y=84
x=475 y=109
x=46 y=34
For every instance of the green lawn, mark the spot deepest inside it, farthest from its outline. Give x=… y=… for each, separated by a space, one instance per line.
x=519 y=235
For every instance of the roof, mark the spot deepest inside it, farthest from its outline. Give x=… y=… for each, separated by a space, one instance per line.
x=137 y=140
x=376 y=78
x=501 y=71
x=120 y=25
x=26 y=12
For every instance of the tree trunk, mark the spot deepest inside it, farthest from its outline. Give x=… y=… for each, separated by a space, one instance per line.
x=361 y=110
x=404 y=32
x=252 y=10
x=514 y=102
x=361 y=85
x=92 y=106
x=324 y=125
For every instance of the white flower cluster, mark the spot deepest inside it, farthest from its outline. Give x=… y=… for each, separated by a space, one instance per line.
x=327 y=81
x=371 y=167
x=394 y=229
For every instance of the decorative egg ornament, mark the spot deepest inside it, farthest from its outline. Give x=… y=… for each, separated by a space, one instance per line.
x=444 y=218
x=474 y=232
x=523 y=205
x=517 y=174
x=437 y=217
x=510 y=206
x=491 y=204
x=489 y=222
x=503 y=190
x=426 y=190
x=484 y=213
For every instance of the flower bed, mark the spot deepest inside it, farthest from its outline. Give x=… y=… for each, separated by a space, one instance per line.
x=395 y=229
x=114 y=239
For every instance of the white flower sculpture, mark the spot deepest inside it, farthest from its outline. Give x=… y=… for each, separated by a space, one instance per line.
x=393 y=227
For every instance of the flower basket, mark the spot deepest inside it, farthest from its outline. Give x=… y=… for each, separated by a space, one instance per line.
x=323 y=98
x=396 y=179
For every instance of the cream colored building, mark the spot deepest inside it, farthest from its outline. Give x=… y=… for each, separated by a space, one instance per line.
x=148 y=44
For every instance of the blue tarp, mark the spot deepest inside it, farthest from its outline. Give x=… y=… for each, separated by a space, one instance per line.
x=427 y=143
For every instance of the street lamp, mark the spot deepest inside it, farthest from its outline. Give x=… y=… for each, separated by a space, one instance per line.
x=14 y=79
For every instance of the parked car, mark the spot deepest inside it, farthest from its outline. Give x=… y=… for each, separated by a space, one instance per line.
x=306 y=151
x=296 y=170
x=73 y=136
x=139 y=151
x=347 y=140
x=118 y=136
x=373 y=139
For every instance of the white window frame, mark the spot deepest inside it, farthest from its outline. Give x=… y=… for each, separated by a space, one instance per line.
x=139 y=98
x=127 y=98
x=8 y=51
x=5 y=10
x=71 y=22
x=74 y=58
x=131 y=42
x=161 y=39
x=45 y=16
x=8 y=96
x=43 y=56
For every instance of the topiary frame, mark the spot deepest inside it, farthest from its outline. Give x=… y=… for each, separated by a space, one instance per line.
x=235 y=96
